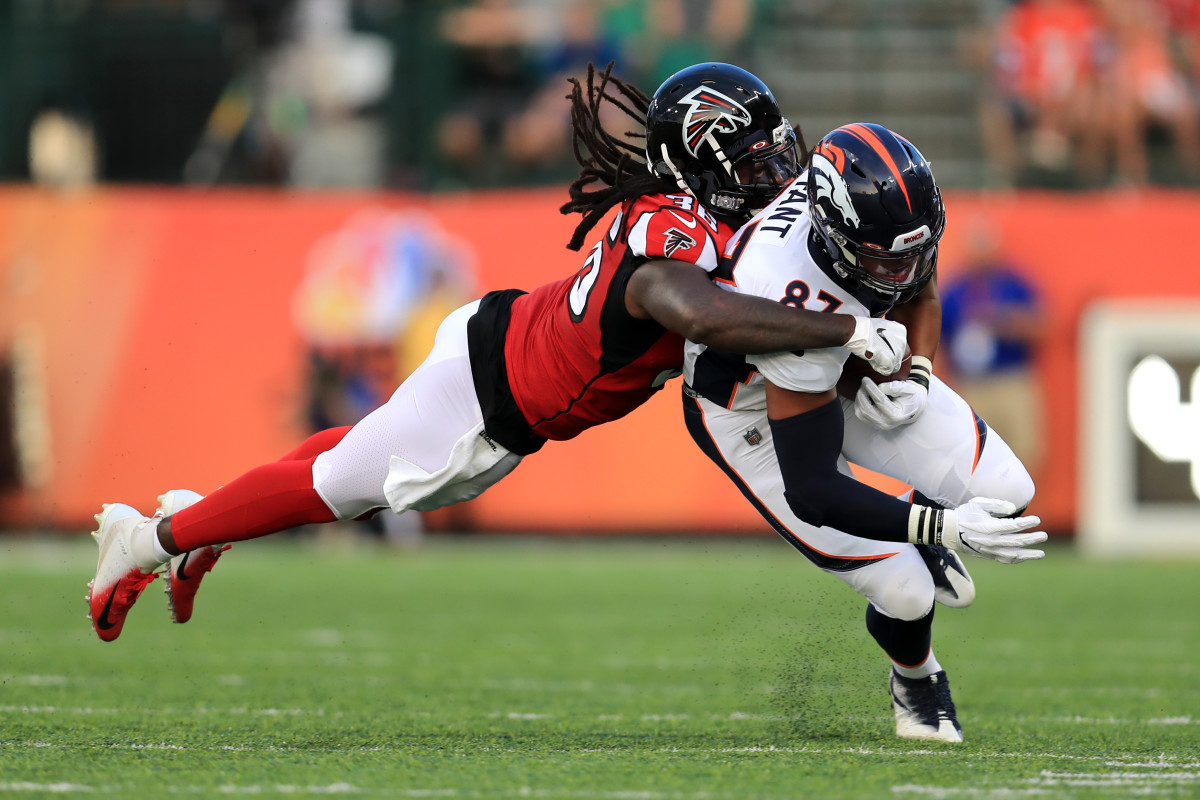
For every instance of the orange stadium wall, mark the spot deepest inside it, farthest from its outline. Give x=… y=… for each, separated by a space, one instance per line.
x=157 y=347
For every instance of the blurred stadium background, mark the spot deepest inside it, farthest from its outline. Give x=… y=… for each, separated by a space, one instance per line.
x=223 y=224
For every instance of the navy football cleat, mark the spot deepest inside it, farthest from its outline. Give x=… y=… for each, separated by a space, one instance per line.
x=952 y=584
x=924 y=709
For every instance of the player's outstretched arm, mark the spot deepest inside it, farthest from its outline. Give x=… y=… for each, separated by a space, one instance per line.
x=682 y=298
x=807 y=430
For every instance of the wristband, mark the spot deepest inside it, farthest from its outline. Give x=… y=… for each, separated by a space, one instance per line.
x=926 y=525
x=920 y=371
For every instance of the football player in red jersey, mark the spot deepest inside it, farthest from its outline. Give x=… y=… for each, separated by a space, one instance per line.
x=515 y=369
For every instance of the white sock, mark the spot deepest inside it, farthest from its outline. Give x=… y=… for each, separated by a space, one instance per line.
x=922 y=670
x=159 y=551
x=146 y=550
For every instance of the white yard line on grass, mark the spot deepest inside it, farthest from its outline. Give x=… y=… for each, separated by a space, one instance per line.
x=1048 y=782
x=1166 y=761
x=734 y=716
x=235 y=711
x=969 y=791
x=34 y=680
x=351 y=789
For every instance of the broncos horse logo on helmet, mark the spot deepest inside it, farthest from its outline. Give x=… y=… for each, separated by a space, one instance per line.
x=877 y=210
x=829 y=184
x=716 y=131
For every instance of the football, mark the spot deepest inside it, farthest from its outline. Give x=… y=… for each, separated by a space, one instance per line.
x=855 y=369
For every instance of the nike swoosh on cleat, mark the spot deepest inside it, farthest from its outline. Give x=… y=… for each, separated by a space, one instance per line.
x=182 y=565
x=103 y=623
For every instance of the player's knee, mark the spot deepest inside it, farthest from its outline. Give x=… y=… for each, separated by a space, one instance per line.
x=1003 y=477
x=906 y=595
x=1022 y=490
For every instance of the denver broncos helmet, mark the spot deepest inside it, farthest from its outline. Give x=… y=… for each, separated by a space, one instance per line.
x=877 y=209
x=717 y=132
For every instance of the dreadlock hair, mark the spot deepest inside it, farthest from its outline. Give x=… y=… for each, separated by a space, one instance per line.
x=613 y=162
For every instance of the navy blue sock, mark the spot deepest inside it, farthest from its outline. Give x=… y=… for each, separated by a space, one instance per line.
x=906 y=642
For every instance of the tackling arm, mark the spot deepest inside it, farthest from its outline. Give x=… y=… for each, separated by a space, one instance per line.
x=682 y=298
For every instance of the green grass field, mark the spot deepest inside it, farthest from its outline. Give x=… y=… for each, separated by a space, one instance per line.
x=479 y=668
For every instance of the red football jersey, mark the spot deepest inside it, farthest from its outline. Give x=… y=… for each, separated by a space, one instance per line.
x=575 y=355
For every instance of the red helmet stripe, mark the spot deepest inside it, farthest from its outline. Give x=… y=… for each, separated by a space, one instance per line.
x=868 y=137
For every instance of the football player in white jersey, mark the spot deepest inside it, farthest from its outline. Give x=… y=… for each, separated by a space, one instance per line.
x=858 y=234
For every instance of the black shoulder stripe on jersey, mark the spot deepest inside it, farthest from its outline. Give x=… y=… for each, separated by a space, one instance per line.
x=727 y=263
x=623 y=337
x=694 y=419
x=717 y=375
x=486 y=334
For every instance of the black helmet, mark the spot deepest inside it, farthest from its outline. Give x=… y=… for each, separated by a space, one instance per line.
x=877 y=209
x=716 y=131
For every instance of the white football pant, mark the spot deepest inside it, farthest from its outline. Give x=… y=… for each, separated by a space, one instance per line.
x=422 y=449
x=944 y=454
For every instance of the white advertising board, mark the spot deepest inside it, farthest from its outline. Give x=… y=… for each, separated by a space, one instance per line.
x=1140 y=428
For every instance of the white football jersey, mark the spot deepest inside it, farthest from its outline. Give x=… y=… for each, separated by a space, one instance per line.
x=769 y=257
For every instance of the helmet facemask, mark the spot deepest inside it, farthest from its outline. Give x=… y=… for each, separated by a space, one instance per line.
x=896 y=274
x=877 y=210
x=746 y=184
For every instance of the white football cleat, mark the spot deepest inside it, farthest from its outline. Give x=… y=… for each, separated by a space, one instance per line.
x=952 y=584
x=119 y=581
x=183 y=575
x=924 y=709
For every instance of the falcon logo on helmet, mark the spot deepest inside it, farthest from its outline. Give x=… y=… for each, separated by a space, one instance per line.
x=710 y=112
x=716 y=131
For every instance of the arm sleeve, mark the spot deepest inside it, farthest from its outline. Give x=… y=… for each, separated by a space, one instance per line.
x=807 y=446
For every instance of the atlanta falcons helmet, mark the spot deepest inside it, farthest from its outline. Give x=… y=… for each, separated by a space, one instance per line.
x=877 y=209
x=716 y=131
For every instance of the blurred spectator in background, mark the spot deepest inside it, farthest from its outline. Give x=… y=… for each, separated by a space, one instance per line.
x=511 y=123
x=661 y=37
x=1183 y=25
x=1150 y=91
x=302 y=108
x=539 y=136
x=491 y=82
x=62 y=150
x=991 y=319
x=1044 y=106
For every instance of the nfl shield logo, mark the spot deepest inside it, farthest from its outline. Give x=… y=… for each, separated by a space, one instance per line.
x=752 y=437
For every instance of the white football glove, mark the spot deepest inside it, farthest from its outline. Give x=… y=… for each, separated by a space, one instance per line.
x=984 y=528
x=881 y=342
x=890 y=405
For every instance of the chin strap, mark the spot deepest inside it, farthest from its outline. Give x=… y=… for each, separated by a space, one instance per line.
x=666 y=157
